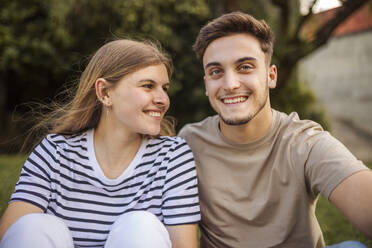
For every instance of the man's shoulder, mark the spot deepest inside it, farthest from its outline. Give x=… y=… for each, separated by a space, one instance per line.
x=301 y=136
x=210 y=123
x=304 y=136
x=292 y=124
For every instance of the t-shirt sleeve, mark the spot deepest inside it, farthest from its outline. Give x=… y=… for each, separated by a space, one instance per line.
x=184 y=132
x=180 y=195
x=328 y=163
x=34 y=184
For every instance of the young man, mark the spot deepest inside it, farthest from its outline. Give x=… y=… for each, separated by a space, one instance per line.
x=259 y=170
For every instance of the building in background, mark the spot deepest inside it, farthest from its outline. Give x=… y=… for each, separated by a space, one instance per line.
x=340 y=74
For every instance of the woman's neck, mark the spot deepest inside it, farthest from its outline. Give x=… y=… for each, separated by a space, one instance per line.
x=115 y=149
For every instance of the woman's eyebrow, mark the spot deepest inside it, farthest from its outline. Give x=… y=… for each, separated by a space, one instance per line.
x=147 y=80
x=211 y=64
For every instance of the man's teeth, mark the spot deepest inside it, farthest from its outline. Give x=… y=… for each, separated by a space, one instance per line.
x=155 y=114
x=234 y=100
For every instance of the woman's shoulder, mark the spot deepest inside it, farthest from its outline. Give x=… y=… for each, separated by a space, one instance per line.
x=66 y=140
x=170 y=142
x=167 y=140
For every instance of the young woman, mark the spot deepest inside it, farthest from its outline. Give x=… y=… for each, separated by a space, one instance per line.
x=103 y=176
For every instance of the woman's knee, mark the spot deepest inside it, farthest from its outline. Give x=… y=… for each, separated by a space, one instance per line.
x=37 y=230
x=138 y=229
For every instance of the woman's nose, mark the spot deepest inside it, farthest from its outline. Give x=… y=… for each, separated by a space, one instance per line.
x=161 y=97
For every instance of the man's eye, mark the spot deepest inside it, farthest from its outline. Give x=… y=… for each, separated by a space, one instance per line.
x=149 y=86
x=245 y=67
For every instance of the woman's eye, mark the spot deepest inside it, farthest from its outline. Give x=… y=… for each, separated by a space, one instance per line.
x=165 y=88
x=214 y=72
x=149 y=86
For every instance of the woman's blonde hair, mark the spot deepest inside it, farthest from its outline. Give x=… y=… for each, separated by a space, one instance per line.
x=112 y=61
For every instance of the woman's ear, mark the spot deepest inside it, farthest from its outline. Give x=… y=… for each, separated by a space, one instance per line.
x=102 y=92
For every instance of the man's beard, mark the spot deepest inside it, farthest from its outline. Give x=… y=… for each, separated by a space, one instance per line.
x=237 y=122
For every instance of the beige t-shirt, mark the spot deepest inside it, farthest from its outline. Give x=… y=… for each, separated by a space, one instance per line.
x=263 y=194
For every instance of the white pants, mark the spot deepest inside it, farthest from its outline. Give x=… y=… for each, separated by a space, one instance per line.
x=137 y=229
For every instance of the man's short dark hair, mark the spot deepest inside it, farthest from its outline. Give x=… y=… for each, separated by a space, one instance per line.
x=235 y=23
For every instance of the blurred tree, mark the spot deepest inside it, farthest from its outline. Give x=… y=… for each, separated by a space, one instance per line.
x=32 y=59
x=30 y=46
x=45 y=44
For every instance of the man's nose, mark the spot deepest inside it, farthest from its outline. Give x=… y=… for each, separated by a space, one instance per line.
x=231 y=80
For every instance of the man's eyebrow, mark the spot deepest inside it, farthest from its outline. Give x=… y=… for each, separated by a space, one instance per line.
x=245 y=59
x=211 y=64
x=248 y=58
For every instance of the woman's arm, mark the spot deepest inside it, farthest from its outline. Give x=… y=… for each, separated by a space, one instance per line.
x=14 y=211
x=180 y=198
x=183 y=236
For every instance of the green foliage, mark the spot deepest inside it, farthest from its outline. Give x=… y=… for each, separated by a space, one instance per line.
x=44 y=46
x=296 y=96
x=33 y=55
x=334 y=225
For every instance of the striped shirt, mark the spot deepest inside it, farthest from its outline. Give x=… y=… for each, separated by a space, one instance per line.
x=62 y=177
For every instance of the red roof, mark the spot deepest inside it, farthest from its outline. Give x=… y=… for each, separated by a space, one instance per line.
x=360 y=20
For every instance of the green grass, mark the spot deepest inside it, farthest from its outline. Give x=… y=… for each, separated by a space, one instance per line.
x=334 y=226
x=10 y=168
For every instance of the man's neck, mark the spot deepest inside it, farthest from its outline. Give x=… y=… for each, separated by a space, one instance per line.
x=251 y=131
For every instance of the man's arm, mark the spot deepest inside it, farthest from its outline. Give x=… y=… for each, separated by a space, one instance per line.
x=183 y=236
x=353 y=197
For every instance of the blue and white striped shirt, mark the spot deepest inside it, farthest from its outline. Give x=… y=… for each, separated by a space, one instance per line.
x=63 y=177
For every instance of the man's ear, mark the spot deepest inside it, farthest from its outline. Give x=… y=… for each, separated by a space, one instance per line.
x=272 y=76
x=102 y=92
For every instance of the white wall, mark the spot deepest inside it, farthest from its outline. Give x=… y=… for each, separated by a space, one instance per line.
x=340 y=73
